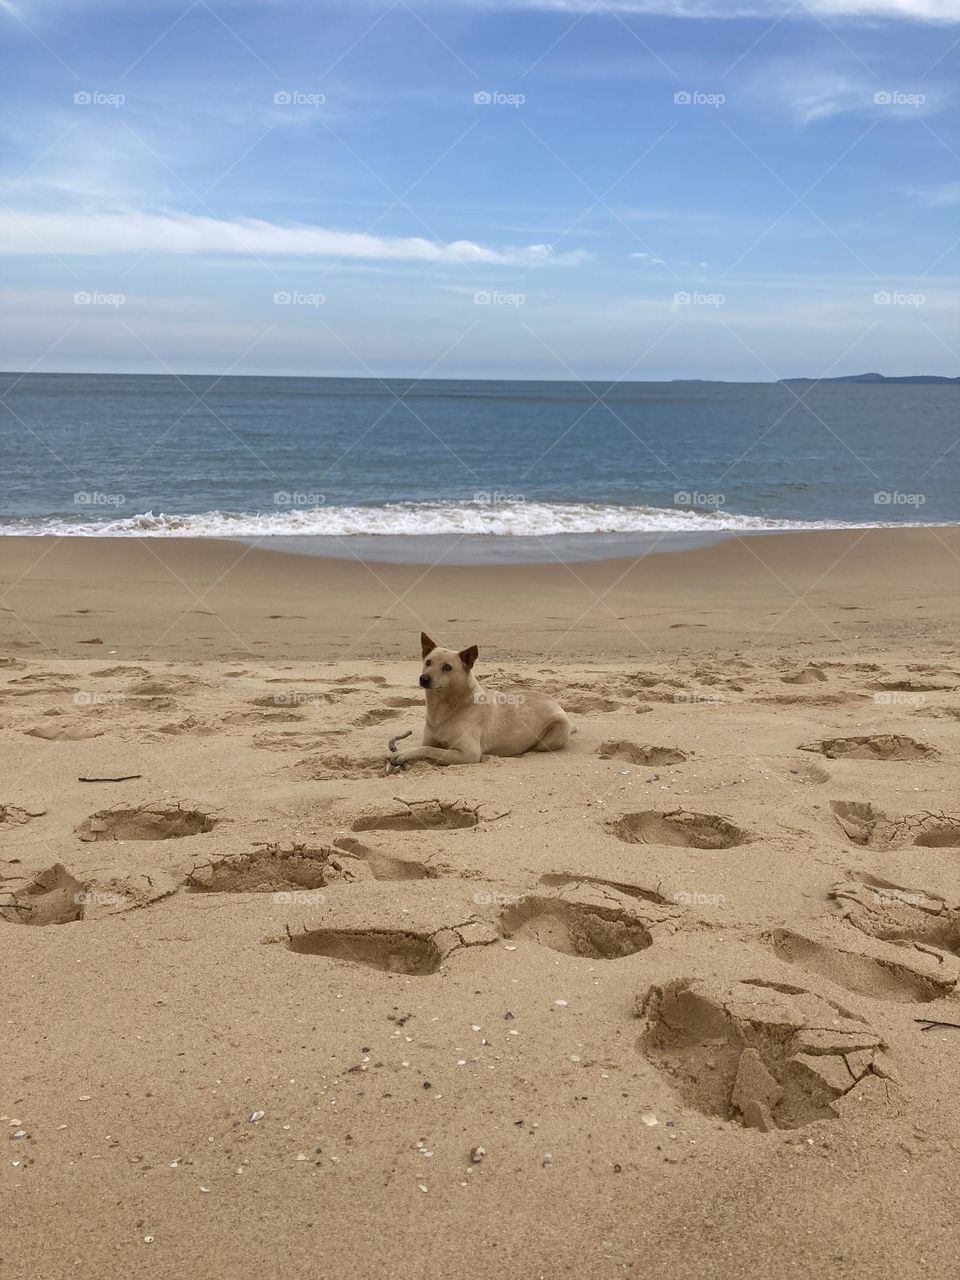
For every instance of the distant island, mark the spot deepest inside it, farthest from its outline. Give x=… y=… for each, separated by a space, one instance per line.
x=924 y=379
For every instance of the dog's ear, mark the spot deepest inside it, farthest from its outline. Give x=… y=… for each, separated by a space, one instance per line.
x=469 y=656
x=426 y=644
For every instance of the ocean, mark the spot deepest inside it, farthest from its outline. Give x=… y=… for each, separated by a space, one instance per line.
x=399 y=469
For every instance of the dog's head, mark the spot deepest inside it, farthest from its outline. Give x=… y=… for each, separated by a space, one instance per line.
x=445 y=668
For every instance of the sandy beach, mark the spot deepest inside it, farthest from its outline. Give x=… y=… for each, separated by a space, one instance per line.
x=648 y=1006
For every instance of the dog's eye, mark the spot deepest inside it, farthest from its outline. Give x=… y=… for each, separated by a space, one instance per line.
x=427 y=663
x=446 y=667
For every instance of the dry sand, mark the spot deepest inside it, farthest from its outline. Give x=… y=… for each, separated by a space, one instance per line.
x=667 y=980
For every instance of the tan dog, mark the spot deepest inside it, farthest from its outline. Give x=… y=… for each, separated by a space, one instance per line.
x=466 y=722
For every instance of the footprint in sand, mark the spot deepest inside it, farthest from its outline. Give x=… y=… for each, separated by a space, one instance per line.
x=763 y=1055
x=678 y=828
x=642 y=753
x=912 y=918
x=53 y=897
x=382 y=866
x=862 y=823
x=912 y=979
x=416 y=954
x=420 y=815
x=147 y=822
x=585 y=705
x=55 y=730
x=280 y=869
x=377 y=716
x=597 y=933
x=884 y=746
x=393 y=950
x=57 y=896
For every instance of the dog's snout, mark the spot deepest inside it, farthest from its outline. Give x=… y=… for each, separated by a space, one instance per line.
x=424 y=682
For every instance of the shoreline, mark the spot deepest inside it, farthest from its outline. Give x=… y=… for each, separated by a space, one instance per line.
x=205 y=597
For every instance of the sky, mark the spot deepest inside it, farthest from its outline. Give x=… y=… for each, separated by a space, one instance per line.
x=637 y=189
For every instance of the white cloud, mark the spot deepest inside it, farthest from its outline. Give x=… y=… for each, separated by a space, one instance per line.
x=916 y=10
x=811 y=94
x=939 y=195
x=110 y=234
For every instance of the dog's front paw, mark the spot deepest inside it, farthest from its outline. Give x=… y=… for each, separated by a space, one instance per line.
x=396 y=762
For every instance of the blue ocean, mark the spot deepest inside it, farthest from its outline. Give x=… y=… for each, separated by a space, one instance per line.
x=495 y=470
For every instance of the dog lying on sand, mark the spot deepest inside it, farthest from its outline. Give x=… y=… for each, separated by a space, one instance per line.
x=466 y=722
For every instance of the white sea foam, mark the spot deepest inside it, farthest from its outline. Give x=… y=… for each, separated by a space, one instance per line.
x=509 y=517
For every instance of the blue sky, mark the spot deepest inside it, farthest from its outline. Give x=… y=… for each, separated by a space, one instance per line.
x=646 y=189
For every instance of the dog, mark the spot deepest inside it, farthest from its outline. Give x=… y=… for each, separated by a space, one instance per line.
x=466 y=722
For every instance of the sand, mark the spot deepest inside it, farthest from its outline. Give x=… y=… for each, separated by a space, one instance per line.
x=648 y=1006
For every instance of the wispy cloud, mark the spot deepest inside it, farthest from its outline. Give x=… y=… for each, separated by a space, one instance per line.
x=811 y=93
x=112 y=234
x=915 y=10
x=939 y=195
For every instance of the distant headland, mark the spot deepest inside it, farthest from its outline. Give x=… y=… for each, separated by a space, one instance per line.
x=925 y=379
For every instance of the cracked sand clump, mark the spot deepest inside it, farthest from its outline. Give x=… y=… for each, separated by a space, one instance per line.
x=766 y=1056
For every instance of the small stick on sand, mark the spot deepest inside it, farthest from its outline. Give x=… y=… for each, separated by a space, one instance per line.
x=127 y=777
x=933 y=1022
